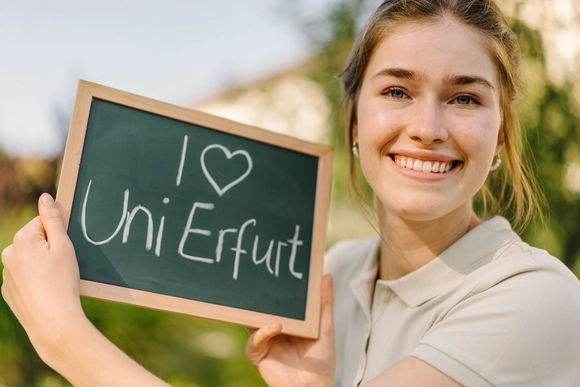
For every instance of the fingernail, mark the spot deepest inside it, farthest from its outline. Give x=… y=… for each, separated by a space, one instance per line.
x=47 y=200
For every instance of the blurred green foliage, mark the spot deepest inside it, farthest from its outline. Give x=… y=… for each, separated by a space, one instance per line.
x=189 y=352
x=550 y=115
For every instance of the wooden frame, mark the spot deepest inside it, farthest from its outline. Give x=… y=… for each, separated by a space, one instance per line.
x=309 y=328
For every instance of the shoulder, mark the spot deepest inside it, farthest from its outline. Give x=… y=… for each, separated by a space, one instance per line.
x=534 y=292
x=518 y=320
x=350 y=257
x=544 y=287
x=533 y=271
x=507 y=261
x=534 y=287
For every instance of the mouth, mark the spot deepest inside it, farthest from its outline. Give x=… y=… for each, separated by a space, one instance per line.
x=427 y=166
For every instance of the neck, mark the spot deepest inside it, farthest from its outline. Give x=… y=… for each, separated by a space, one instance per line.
x=408 y=245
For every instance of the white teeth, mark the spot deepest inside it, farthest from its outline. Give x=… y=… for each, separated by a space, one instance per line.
x=418 y=166
x=423 y=166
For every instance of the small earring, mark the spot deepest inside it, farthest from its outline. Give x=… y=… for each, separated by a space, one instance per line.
x=355 y=150
x=496 y=164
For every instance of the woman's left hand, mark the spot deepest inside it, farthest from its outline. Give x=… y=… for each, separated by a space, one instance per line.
x=293 y=361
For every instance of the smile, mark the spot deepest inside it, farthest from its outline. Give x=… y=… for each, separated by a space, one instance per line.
x=424 y=166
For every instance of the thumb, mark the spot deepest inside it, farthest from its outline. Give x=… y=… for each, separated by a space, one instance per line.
x=257 y=346
x=51 y=218
x=327 y=312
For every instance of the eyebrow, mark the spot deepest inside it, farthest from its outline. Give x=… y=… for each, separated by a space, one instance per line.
x=468 y=80
x=457 y=80
x=397 y=73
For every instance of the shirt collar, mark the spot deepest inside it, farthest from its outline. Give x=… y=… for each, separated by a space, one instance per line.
x=470 y=252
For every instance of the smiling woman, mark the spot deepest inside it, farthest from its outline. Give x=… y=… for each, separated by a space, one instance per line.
x=433 y=102
x=443 y=296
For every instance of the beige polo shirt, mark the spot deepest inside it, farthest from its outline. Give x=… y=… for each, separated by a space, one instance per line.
x=489 y=311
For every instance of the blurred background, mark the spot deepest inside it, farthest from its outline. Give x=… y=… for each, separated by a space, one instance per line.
x=269 y=63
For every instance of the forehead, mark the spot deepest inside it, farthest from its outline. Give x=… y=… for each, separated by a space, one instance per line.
x=436 y=49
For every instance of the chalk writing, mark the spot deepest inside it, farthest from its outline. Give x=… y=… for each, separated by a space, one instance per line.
x=84 y=217
x=182 y=161
x=188 y=230
x=229 y=155
x=192 y=227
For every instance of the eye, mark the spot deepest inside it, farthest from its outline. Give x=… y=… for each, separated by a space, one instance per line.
x=466 y=100
x=395 y=93
x=463 y=100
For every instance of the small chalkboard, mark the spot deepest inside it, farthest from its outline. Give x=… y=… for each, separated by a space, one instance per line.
x=174 y=209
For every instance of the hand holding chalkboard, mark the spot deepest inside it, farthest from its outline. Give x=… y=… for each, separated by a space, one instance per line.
x=182 y=211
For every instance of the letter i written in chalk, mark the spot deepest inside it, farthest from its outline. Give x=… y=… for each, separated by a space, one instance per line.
x=182 y=161
x=160 y=231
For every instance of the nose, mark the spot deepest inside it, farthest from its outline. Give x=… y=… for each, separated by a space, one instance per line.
x=427 y=125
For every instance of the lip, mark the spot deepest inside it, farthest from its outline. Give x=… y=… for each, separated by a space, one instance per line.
x=426 y=156
x=422 y=155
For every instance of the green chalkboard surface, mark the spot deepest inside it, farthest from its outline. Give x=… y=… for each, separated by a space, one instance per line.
x=178 y=210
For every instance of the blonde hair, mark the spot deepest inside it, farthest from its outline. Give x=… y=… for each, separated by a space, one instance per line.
x=510 y=190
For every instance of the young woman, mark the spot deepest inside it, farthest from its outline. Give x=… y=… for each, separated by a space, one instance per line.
x=442 y=297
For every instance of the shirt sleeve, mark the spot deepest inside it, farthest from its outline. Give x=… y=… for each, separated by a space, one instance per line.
x=522 y=330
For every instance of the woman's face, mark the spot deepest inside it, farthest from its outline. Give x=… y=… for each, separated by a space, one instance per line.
x=428 y=120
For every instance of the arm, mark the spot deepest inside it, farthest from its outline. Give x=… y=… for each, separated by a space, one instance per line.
x=412 y=372
x=41 y=286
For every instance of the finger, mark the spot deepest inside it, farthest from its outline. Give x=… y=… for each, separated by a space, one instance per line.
x=31 y=233
x=327 y=312
x=51 y=218
x=262 y=335
x=327 y=294
x=256 y=347
x=7 y=254
x=6 y=281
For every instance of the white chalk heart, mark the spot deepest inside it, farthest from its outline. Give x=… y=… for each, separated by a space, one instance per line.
x=229 y=155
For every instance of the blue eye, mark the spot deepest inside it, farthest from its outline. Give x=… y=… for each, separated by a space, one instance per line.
x=395 y=93
x=463 y=100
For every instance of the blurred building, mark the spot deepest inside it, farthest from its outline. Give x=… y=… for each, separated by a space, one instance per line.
x=288 y=102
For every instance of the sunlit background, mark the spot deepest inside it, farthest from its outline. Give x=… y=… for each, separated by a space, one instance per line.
x=269 y=63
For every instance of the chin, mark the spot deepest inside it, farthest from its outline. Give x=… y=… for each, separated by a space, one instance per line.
x=420 y=216
x=421 y=210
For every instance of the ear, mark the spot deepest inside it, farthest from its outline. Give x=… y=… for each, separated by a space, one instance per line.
x=500 y=141
x=354 y=132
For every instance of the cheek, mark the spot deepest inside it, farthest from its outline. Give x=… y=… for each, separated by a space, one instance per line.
x=378 y=129
x=377 y=126
x=478 y=138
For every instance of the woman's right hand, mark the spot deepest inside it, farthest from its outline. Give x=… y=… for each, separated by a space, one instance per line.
x=41 y=276
x=41 y=286
x=294 y=361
